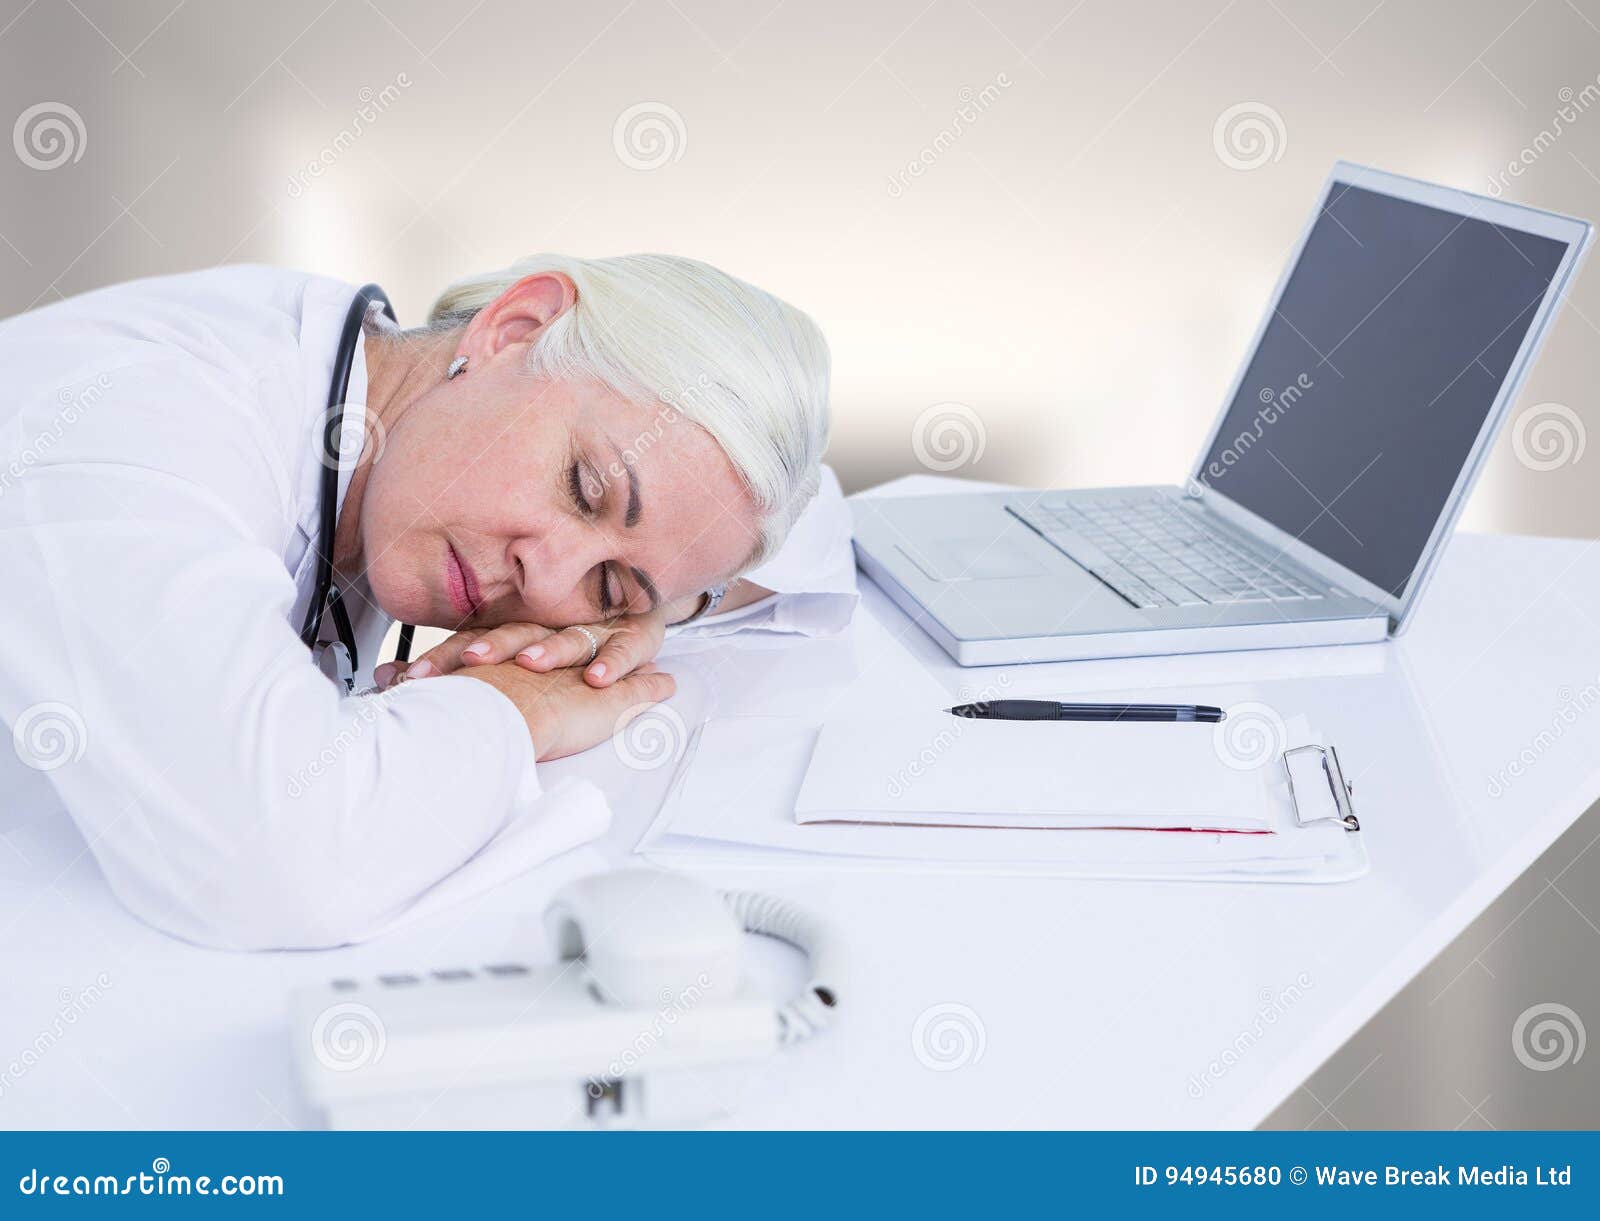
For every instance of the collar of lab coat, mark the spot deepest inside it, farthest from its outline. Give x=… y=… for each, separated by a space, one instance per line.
x=321 y=323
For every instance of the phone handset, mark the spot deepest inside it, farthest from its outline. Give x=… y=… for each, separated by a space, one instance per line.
x=646 y=936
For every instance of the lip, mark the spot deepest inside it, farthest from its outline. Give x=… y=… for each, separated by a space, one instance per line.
x=465 y=596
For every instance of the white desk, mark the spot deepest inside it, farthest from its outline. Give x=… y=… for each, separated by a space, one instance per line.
x=1101 y=1003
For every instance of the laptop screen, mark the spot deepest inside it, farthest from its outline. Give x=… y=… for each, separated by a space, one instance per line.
x=1374 y=375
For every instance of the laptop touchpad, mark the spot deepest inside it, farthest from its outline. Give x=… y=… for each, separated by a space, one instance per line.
x=971 y=559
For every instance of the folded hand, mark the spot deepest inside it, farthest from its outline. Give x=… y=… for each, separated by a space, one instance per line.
x=624 y=645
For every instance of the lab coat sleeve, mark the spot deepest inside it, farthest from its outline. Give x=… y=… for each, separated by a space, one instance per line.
x=230 y=792
x=813 y=577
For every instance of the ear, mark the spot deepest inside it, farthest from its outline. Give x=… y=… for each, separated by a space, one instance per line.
x=518 y=315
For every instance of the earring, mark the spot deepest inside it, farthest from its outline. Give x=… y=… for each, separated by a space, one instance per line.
x=456 y=366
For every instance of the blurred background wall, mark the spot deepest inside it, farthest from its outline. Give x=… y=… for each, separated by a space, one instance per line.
x=1062 y=217
x=1038 y=235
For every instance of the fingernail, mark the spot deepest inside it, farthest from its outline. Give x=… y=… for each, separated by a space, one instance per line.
x=477 y=650
x=422 y=669
x=533 y=652
x=598 y=670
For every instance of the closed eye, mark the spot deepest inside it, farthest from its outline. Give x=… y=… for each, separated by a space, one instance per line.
x=609 y=592
x=575 y=487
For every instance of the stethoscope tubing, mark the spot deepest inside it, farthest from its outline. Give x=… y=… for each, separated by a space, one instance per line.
x=324 y=597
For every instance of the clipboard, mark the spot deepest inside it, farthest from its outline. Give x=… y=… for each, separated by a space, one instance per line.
x=1340 y=789
x=731 y=801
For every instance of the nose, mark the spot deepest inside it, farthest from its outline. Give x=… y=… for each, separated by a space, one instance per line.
x=552 y=557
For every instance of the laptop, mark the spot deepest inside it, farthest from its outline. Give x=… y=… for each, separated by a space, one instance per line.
x=1386 y=361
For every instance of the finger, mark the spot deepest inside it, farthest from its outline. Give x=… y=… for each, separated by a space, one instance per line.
x=443 y=657
x=385 y=675
x=623 y=653
x=501 y=643
x=634 y=693
x=568 y=647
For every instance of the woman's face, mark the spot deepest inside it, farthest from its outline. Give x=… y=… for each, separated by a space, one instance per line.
x=500 y=497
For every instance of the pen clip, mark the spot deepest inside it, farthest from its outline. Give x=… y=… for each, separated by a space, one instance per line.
x=1338 y=786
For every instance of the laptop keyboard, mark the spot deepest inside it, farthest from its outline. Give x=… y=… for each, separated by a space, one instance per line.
x=1154 y=553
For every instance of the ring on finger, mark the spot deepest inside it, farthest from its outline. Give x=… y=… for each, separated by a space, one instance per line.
x=594 y=641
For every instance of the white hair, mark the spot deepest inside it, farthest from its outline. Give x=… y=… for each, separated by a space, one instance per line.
x=748 y=368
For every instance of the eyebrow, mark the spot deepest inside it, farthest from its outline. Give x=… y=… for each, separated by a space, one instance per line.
x=635 y=511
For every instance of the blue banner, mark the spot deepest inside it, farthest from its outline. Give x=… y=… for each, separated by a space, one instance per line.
x=1284 y=1175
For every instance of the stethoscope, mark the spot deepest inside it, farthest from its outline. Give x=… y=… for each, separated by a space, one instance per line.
x=341 y=654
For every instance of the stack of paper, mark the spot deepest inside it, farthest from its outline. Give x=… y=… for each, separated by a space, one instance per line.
x=736 y=799
x=934 y=769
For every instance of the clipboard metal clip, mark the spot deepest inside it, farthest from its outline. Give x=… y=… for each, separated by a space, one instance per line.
x=1337 y=785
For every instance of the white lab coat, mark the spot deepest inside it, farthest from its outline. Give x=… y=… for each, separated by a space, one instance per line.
x=159 y=492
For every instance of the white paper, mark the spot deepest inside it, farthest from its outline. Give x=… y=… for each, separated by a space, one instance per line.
x=934 y=769
x=733 y=798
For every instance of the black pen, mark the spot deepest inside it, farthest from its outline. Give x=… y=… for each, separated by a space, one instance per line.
x=1052 y=710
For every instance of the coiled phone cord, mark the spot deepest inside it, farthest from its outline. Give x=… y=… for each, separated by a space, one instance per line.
x=811 y=1011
